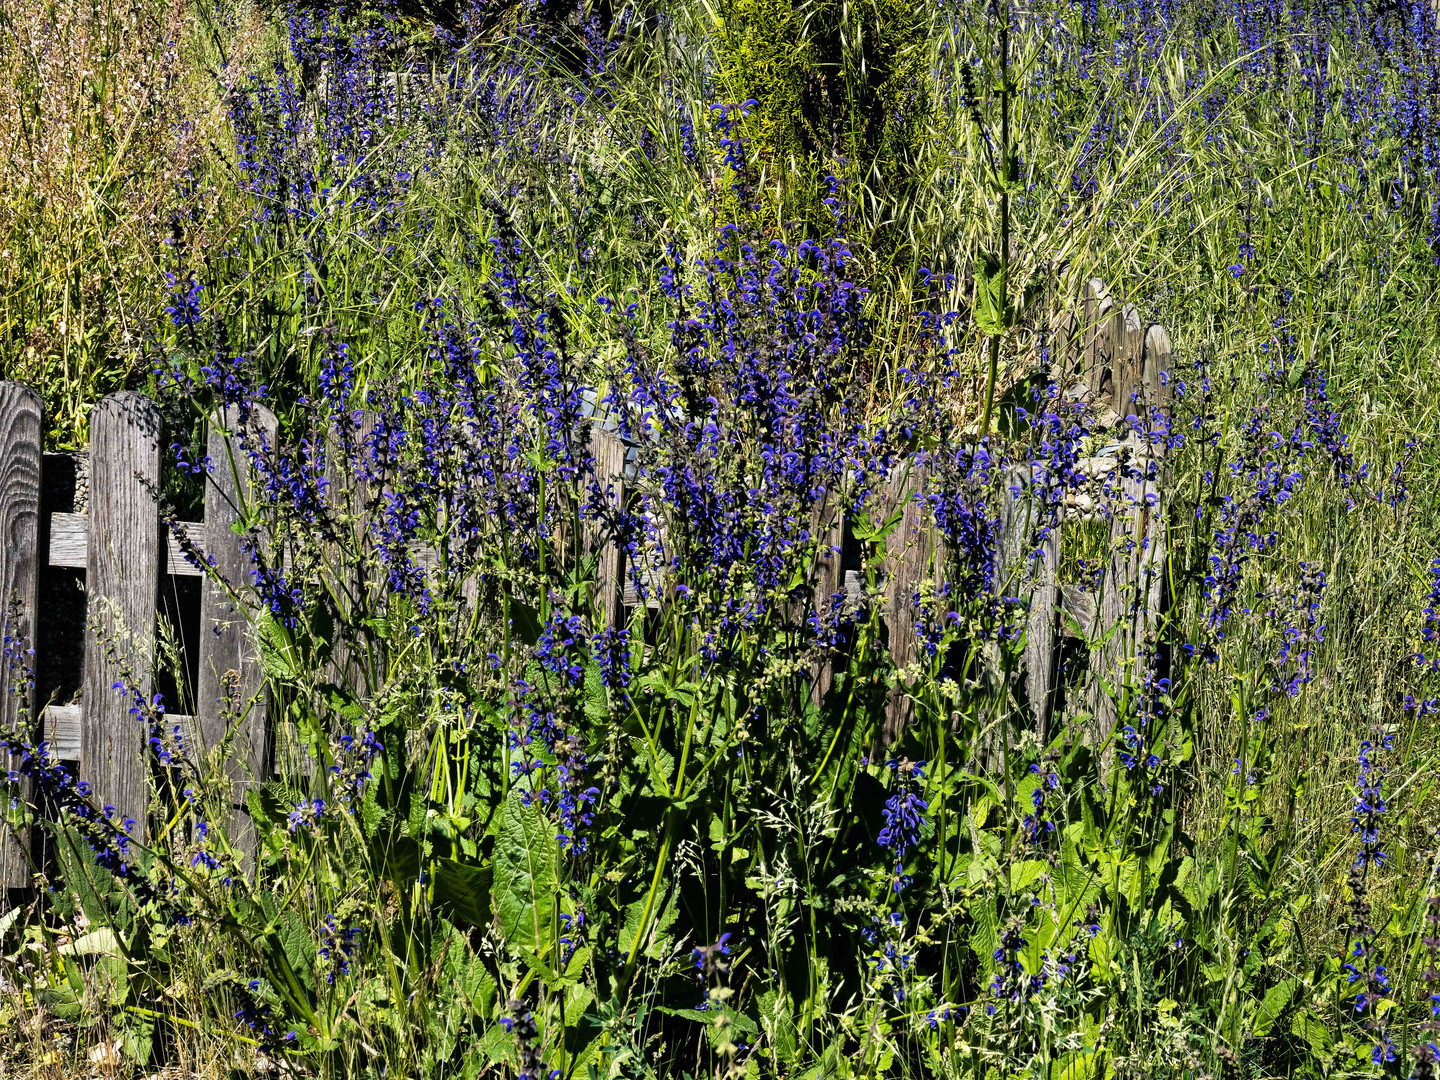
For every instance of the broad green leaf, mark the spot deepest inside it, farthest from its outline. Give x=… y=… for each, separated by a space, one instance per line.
x=462 y=891
x=1277 y=1000
x=524 y=875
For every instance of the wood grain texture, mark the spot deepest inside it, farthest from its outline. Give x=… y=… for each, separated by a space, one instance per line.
x=608 y=450
x=123 y=584
x=827 y=527
x=911 y=551
x=1064 y=337
x=69 y=540
x=1156 y=383
x=1027 y=560
x=349 y=497
x=1042 y=630
x=227 y=641
x=1129 y=356
x=63 y=726
x=1077 y=611
x=1099 y=337
x=1132 y=597
x=20 y=463
x=69 y=544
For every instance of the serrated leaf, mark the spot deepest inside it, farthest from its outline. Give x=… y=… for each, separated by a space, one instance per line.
x=524 y=875
x=462 y=891
x=1277 y=1000
x=102 y=942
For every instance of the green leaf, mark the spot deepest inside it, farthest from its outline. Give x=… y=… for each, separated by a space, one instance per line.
x=525 y=621
x=991 y=312
x=1312 y=1029
x=778 y=1024
x=100 y=942
x=295 y=944
x=524 y=875
x=1277 y=1000
x=462 y=891
x=278 y=654
x=659 y=938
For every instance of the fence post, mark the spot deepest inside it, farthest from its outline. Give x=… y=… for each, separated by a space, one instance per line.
x=348 y=499
x=20 y=459
x=608 y=449
x=122 y=580
x=1156 y=387
x=1099 y=337
x=1036 y=568
x=908 y=549
x=1125 y=373
x=827 y=528
x=225 y=642
x=1133 y=592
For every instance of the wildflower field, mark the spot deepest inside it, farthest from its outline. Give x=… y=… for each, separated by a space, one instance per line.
x=594 y=371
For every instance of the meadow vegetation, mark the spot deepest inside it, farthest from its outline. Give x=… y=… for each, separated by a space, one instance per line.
x=780 y=251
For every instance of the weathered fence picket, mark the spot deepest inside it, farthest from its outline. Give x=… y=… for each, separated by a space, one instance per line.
x=20 y=456
x=1099 y=345
x=122 y=583
x=230 y=679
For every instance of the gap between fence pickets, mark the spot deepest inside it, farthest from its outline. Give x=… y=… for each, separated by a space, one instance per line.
x=70 y=544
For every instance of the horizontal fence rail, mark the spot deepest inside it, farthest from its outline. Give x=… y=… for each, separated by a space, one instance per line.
x=126 y=551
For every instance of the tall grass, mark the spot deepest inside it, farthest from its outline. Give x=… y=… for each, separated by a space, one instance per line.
x=99 y=131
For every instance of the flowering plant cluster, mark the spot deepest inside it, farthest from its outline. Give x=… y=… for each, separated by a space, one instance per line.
x=674 y=669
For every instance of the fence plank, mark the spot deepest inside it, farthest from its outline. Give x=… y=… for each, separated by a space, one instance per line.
x=1064 y=354
x=910 y=550
x=63 y=724
x=1099 y=337
x=1042 y=632
x=345 y=496
x=69 y=540
x=20 y=462
x=1126 y=373
x=123 y=586
x=827 y=527
x=1155 y=368
x=225 y=642
x=608 y=450
x=69 y=544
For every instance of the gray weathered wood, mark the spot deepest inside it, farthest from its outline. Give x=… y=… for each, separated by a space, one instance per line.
x=1042 y=631
x=827 y=527
x=1099 y=338
x=70 y=544
x=123 y=584
x=20 y=461
x=608 y=450
x=226 y=701
x=1064 y=336
x=1125 y=373
x=69 y=540
x=1131 y=599
x=348 y=496
x=63 y=725
x=1156 y=383
x=1077 y=607
x=1028 y=563
x=912 y=549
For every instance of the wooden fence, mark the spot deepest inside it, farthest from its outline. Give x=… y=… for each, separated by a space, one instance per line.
x=131 y=561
